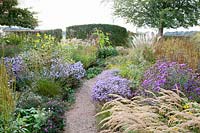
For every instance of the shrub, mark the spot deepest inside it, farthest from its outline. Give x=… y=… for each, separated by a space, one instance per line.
x=28 y=100
x=106 y=52
x=55 y=122
x=170 y=75
x=47 y=87
x=107 y=84
x=167 y=112
x=93 y=71
x=118 y=35
x=178 y=50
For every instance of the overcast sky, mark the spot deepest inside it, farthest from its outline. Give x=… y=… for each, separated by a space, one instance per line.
x=63 y=13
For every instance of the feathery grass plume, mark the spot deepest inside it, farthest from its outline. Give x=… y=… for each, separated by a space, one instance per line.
x=7 y=96
x=167 y=112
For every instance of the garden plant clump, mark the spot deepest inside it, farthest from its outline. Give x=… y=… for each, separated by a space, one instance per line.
x=109 y=83
x=172 y=76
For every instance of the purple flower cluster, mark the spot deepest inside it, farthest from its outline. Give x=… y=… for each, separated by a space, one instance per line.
x=109 y=83
x=77 y=70
x=192 y=89
x=15 y=65
x=170 y=75
x=61 y=69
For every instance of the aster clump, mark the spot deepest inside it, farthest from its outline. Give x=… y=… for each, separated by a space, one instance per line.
x=60 y=69
x=15 y=65
x=170 y=76
x=109 y=83
x=192 y=87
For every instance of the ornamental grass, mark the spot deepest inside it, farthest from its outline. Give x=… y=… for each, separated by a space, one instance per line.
x=167 y=112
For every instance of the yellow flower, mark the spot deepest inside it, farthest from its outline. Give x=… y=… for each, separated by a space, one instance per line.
x=45 y=36
x=189 y=113
x=176 y=129
x=38 y=34
x=37 y=41
x=186 y=106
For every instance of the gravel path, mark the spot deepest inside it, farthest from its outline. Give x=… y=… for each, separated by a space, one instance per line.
x=81 y=118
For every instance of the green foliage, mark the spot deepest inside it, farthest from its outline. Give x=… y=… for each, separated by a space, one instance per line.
x=47 y=87
x=69 y=95
x=133 y=65
x=118 y=35
x=106 y=52
x=149 y=55
x=100 y=63
x=32 y=119
x=28 y=100
x=92 y=72
x=159 y=13
x=19 y=41
x=85 y=54
x=12 y=39
x=11 y=15
x=56 y=33
x=103 y=39
x=134 y=72
x=56 y=121
x=39 y=52
x=10 y=45
x=9 y=50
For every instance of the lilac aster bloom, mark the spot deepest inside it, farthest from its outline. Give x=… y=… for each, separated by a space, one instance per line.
x=108 y=83
x=60 y=69
x=170 y=75
x=15 y=65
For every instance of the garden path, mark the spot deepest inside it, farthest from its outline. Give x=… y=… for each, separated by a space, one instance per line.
x=81 y=118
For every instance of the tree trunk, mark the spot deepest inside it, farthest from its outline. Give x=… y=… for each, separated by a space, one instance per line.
x=160 y=33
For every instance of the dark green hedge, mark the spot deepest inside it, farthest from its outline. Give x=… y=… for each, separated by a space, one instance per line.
x=57 y=33
x=118 y=35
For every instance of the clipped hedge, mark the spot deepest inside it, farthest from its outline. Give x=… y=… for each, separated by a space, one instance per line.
x=57 y=33
x=118 y=35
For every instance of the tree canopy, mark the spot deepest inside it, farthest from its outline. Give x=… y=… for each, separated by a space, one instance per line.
x=11 y=15
x=159 y=13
